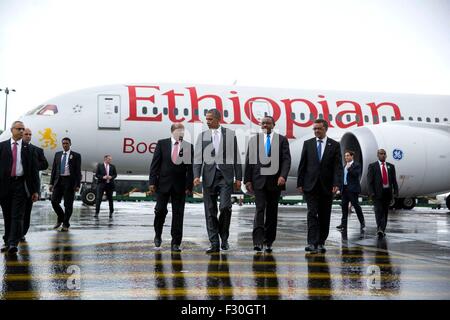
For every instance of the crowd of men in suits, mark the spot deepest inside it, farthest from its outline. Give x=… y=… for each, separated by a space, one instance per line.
x=215 y=162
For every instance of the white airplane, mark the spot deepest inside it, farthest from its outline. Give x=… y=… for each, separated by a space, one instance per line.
x=126 y=121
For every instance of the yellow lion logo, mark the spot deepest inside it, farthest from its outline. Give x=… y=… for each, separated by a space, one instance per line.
x=48 y=138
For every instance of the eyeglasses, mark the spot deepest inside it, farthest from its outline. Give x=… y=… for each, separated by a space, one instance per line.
x=20 y=129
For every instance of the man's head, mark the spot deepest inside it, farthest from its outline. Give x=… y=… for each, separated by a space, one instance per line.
x=381 y=154
x=27 y=135
x=66 y=143
x=213 y=117
x=267 y=124
x=349 y=156
x=320 y=128
x=107 y=159
x=177 y=130
x=17 y=129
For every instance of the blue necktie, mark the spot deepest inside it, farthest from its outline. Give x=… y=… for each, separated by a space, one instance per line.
x=63 y=163
x=319 y=149
x=345 y=175
x=268 y=146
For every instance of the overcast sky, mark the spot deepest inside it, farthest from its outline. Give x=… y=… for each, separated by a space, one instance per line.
x=52 y=47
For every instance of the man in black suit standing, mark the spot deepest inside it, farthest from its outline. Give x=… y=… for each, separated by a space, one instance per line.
x=106 y=174
x=382 y=185
x=171 y=178
x=64 y=182
x=350 y=190
x=42 y=164
x=267 y=165
x=319 y=177
x=217 y=160
x=18 y=181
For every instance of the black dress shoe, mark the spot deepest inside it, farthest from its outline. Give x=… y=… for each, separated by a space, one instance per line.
x=380 y=234
x=96 y=215
x=23 y=239
x=268 y=249
x=64 y=229
x=12 y=250
x=4 y=248
x=340 y=227
x=157 y=241
x=321 y=248
x=225 y=245
x=258 y=247
x=311 y=248
x=110 y=215
x=175 y=248
x=213 y=250
x=57 y=225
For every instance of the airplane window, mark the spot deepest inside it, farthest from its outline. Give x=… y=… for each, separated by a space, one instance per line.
x=293 y=116
x=196 y=112
x=186 y=111
x=411 y=119
x=302 y=116
x=175 y=111
x=357 y=118
x=419 y=119
x=436 y=119
x=402 y=118
x=165 y=111
x=384 y=118
x=225 y=113
x=311 y=117
x=445 y=120
x=393 y=118
x=339 y=117
x=155 y=110
x=348 y=118
x=144 y=110
x=320 y=116
x=375 y=119
x=48 y=110
x=330 y=117
x=366 y=119
x=428 y=119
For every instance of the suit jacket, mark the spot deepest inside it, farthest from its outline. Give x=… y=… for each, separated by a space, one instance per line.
x=353 y=178
x=74 y=168
x=29 y=164
x=40 y=157
x=255 y=160
x=327 y=172
x=229 y=163
x=375 y=180
x=164 y=174
x=100 y=172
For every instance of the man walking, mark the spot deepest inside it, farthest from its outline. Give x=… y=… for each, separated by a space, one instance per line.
x=216 y=160
x=267 y=165
x=382 y=185
x=64 y=182
x=319 y=177
x=106 y=174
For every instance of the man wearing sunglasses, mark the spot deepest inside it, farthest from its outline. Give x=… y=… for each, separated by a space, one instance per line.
x=19 y=179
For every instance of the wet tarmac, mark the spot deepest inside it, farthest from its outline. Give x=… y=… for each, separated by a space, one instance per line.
x=116 y=259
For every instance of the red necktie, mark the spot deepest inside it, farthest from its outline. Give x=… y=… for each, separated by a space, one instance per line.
x=384 y=174
x=14 y=154
x=175 y=152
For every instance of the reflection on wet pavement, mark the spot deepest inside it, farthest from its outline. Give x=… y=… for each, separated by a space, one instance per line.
x=115 y=259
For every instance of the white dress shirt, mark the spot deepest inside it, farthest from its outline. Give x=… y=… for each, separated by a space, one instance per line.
x=19 y=167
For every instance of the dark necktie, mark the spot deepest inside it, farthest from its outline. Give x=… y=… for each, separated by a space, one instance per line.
x=14 y=163
x=63 y=163
x=319 y=149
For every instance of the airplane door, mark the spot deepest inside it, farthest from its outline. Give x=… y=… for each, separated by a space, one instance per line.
x=109 y=112
x=259 y=110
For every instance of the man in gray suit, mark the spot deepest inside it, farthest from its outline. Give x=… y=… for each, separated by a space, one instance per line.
x=217 y=153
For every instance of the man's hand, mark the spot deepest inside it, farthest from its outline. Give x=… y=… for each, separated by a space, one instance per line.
x=238 y=184
x=152 y=189
x=335 y=189
x=35 y=197
x=105 y=177
x=50 y=188
x=281 y=181
x=249 y=187
x=300 y=189
x=196 y=181
x=77 y=189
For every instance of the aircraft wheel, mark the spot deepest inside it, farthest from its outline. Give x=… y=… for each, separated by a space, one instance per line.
x=409 y=203
x=88 y=197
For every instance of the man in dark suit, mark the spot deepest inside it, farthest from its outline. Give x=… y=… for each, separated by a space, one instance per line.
x=18 y=181
x=171 y=178
x=350 y=190
x=217 y=160
x=42 y=164
x=267 y=165
x=64 y=182
x=319 y=177
x=382 y=185
x=106 y=174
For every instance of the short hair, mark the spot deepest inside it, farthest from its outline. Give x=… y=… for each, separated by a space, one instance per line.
x=215 y=113
x=15 y=122
x=270 y=117
x=67 y=139
x=106 y=156
x=352 y=153
x=176 y=126
x=322 y=121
